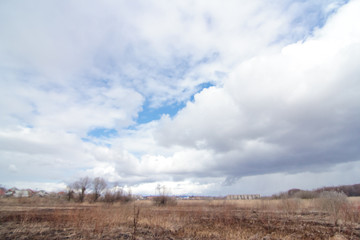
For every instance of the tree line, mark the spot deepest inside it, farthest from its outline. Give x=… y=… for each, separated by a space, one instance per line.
x=95 y=189
x=348 y=190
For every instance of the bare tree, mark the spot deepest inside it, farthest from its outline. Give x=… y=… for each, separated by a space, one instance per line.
x=99 y=186
x=163 y=198
x=81 y=186
x=69 y=192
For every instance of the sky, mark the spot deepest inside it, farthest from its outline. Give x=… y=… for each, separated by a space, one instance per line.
x=203 y=97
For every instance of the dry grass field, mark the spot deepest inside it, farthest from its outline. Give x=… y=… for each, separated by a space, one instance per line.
x=189 y=219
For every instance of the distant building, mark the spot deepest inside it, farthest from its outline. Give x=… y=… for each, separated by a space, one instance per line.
x=243 y=197
x=2 y=192
x=14 y=192
x=10 y=192
x=41 y=193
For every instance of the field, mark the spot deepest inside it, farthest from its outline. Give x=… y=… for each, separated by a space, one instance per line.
x=39 y=218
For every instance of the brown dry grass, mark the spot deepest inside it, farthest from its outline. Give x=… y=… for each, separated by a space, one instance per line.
x=189 y=219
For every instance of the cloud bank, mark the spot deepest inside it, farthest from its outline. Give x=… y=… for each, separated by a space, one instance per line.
x=238 y=96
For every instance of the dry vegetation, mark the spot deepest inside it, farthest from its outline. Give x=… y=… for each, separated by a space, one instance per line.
x=31 y=218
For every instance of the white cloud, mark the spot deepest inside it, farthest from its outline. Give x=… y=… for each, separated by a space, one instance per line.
x=12 y=168
x=285 y=98
x=285 y=112
x=174 y=188
x=47 y=186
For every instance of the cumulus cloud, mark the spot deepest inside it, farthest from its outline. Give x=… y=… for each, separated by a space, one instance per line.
x=281 y=95
x=288 y=112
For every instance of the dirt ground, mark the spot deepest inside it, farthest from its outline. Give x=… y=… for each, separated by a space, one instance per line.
x=187 y=220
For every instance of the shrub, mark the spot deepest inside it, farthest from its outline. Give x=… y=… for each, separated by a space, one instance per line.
x=305 y=194
x=164 y=200
x=289 y=205
x=117 y=196
x=335 y=203
x=281 y=195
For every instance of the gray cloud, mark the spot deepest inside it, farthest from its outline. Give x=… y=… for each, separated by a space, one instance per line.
x=290 y=112
x=284 y=100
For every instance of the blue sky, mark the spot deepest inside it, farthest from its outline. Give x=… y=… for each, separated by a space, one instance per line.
x=204 y=97
x=150 y=113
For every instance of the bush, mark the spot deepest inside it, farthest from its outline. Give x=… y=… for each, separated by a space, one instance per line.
x=305 y=194
x=281 y=195
x=117 y=196
x=289 y=205
x=164 y=200
x=335 y=203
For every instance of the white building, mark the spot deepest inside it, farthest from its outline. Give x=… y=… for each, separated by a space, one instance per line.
x=243 y=197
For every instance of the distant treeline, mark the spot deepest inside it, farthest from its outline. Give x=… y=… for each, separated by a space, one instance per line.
x=349 y=190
